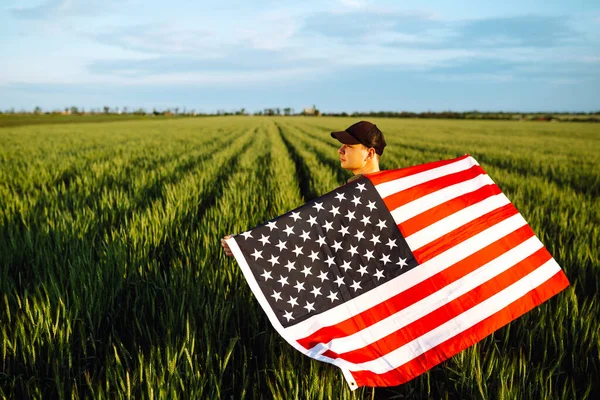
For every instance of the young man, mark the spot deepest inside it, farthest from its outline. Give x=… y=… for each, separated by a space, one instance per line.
x=362 y=145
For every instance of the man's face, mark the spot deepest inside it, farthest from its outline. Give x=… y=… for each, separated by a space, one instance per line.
x=353 y=156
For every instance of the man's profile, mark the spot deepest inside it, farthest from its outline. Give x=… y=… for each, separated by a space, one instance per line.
x=362 y=146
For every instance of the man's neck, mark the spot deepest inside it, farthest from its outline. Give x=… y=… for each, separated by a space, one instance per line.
x=367 y=169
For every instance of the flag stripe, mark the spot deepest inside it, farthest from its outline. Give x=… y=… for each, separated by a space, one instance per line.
x=390 y=187
x=405 y=281
x=455 y=221
x=425 y=297
x=434 y=214
x=386 y=176
x=411 y=329
x=418 y=195
x=457 y=325
x=450 y=239
x=468 y=337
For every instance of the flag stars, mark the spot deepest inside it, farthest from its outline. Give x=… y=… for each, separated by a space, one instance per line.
x=361 y=187
x=340 y=281
x=276 y=295
x=257 y=254
x=309 y=306
x=371 y=205
x=337 y=245
x=365 y=220
x=323 y=276
x=353 y=250
x=267 y=275
x=355 y=285
x=247 y=235
x=356 y=201
x=289 y=230
x=264 y=239
x=321 y=240
x=375 y=239
x=318 y=206
x=272 y=225
x=344 y=231
x=297 y=250
x=369 y=255
x=328 y=226
x=359 y=235
x=314 y=255
x=305 y=235
x=293 y=301
x=283 y=280
x=306 y=271
x=316 y=291
x=312 y=220
x=385 y=259
x=340 y=196
x=295 y=215
x=274 y=260
x=332 y=296
x=290 y=266
x=330 y=261
x=281 y=245
x=391 y=243
x=346 y=266
x=379 y=274
x=299 y=286
x=401 y=262
x=381 y=224
x=288 y=316
x=334 y=210
x=350 y=215
x=363 y=270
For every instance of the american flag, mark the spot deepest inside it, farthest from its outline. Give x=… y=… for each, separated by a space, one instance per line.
x=390 y=275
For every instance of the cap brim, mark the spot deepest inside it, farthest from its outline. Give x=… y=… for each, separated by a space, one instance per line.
x=345 y=137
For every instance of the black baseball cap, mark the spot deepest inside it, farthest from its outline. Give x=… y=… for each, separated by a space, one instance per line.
x=364 y=133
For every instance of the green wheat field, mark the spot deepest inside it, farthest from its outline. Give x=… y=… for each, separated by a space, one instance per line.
x=113 y=283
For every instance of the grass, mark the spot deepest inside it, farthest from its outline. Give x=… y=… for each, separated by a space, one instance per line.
x=113 y=283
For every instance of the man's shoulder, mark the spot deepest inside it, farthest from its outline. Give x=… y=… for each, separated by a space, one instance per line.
x=354 y=177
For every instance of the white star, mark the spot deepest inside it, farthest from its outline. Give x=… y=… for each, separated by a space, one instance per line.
x=401 y=262
x=293 y=301
x=346 y=266
x=312 y=220
x=385 y=259
x=298 y=251
x=309 y=306
x=391 y=243
x=283 y=281
x=363 y=270
x=257 y=254
x=299 y=286
x=314 y=255
x=369 y=254
x=359 y=235
x=305 y=235
x=295 y=215
x=340 y=196
x=306 y=271
x=371 y=205
x=276 y=296
x=375 y=239
x=337 y=245
x=340 y=281
x=264 y=239
x=246 y=235
x=321 y=240
x=323 y=276
x=288 y=316
x=328 y=225
x=330 y=261
x=350 y=215
x=356 y=201
x=274 y=260
x=381 y=224
x=281 y=245
x=332 y=296
x=355 y=285
x=334 y=210
x=290 y=266
x=361 y=187
x=344 y=230
x=266 y=275
x=353 y=250
x=289 y=230
x=366 y=220
x=316 y=291
x=318 y=206
x=379 y=274
x=272 y=225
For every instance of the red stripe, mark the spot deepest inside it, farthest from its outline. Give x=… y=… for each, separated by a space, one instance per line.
x=409 y=195
x=448 y=311
x=465 y=339
x=385 y=176
x=462 y=233
x=418 y=291
x=443 y=210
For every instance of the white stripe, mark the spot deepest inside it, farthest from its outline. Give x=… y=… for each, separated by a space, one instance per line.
x=422 y=204
x=388 y=188
x=457 y=325
x=434 y=301
x=454 y=221
x=401 y=283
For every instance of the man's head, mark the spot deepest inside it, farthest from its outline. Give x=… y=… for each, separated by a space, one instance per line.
x=363 y=143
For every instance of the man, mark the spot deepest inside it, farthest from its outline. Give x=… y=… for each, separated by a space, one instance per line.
x=362 y=146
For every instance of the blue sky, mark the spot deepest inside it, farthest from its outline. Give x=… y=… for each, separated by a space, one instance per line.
x=341 y=55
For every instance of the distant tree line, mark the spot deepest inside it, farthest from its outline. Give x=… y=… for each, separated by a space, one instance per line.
x=313 y=111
